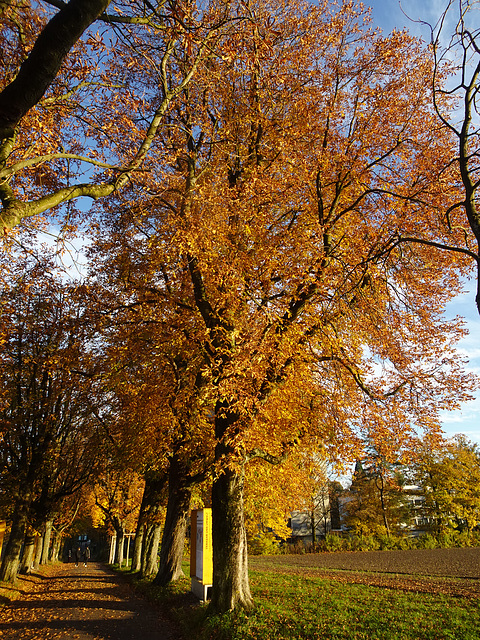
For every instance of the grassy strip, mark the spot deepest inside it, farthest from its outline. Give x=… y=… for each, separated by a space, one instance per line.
x=9 y=592
x=298 y=608
x=293 y=607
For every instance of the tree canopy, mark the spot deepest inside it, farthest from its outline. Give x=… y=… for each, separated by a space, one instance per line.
x=273 y=188
x=297 y=168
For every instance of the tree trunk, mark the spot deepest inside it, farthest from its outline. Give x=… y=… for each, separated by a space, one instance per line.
x=120 y=531
x=38 y=551
x=231 y=589
x=150 y=554
x=27 y=556
x=13 y=548
x=173 y=540
x=47 y=536
x=152 y=500
x=138 y=548
x=140 y=532
x=55 y=549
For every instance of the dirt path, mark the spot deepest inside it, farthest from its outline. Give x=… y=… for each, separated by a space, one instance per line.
x=82 y=603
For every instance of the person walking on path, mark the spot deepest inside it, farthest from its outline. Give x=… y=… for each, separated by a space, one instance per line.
x=86 y=556
x=78 y=556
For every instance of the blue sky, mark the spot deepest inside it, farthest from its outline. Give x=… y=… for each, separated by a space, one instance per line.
x=388 y=15
x=467 y=420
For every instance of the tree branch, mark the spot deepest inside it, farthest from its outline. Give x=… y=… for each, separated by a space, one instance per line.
x=438 y=245
x=45 y=59
x=25 y=164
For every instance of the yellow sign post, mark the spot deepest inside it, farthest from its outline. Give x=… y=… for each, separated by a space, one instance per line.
x=3 y=527
x=201 y=552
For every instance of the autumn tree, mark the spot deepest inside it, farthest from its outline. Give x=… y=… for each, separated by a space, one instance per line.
x=48 y=429
x=312 y=511
x=131 y=448
x=449 y=479
x=148 y=531
x=153 y=372
x=63 y=520
x=302 y=165
x=74 y=119
x=272 y=493
x=118 y=495
x=375 y=502
x=298 y=161
x=382 y=477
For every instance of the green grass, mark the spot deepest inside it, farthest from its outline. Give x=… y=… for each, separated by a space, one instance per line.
x=8 y=593
x=300 y=608
x=14 y=591
x=294 y=607
x=176 y=598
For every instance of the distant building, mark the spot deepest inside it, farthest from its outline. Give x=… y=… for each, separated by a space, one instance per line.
x=420 y=522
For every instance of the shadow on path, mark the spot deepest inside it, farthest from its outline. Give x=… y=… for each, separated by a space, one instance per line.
x=87 y=604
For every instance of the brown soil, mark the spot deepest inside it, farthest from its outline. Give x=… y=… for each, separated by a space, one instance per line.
x=93 y=603
x=453 y=572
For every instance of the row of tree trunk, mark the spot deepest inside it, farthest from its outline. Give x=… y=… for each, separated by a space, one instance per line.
x=147 y=539
x=25 y=549
x=34 y=550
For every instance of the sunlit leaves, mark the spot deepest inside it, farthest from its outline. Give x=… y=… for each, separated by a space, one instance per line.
x=449 y=479
x=293 y=170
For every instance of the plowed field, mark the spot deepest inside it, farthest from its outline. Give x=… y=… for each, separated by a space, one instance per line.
x=449 y=571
